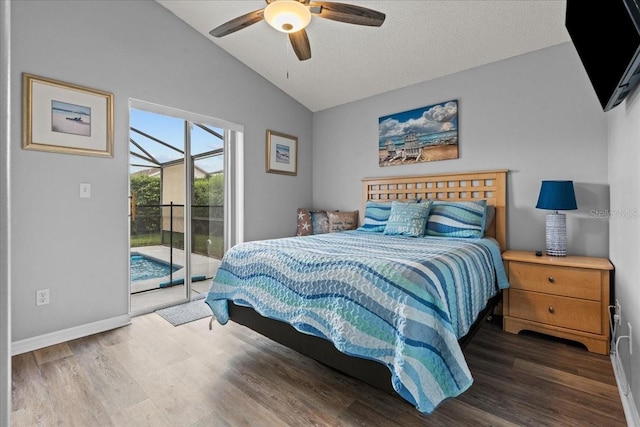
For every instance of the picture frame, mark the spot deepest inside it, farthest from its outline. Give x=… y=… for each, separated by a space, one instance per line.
x=282 y=153
x=62 y=117
x=423 y=134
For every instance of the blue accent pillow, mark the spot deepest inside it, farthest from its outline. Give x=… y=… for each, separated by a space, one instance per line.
x=457 y=219
x=407 y=219
x=376 y=215
x=319 y=222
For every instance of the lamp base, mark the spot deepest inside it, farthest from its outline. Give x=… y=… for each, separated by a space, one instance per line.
x=556 y=234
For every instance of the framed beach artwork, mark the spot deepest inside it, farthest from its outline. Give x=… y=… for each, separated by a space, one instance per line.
x=282 y=153
x=422 y=135
x=66 y=118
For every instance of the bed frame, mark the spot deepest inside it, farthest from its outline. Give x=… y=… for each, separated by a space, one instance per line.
x=484 y=185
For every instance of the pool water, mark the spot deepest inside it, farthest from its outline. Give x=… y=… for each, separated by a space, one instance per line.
x=143 y=268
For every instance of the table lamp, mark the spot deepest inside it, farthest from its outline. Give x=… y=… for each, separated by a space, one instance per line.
x=555 y=196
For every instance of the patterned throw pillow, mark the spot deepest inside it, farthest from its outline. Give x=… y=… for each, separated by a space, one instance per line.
x=457 y=219
x=376 y=215
x=407 y=219
x=341 y=221
x=319 y=222
x=305 y=227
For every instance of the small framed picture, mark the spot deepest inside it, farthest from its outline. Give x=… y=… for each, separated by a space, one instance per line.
x=66 y=118
x=282 y=153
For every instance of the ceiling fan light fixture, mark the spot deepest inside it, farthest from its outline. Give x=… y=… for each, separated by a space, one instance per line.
x=288 y=16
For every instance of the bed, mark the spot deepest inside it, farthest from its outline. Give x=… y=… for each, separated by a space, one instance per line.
x=392 y=309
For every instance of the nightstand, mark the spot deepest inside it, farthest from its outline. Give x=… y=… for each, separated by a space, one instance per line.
x=567 y=297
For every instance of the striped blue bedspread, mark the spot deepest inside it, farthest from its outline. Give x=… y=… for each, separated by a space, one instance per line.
x=402 y=301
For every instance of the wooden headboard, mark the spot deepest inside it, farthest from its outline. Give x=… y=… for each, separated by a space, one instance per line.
x=488 y=185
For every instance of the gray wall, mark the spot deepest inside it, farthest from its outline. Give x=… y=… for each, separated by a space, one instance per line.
x=5 y=294
x=624 y=178
x=78 y=248
x=535 y=115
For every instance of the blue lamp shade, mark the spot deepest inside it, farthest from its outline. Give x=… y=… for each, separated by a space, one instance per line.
x=557 y=196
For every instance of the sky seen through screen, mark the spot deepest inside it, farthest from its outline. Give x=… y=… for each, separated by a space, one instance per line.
x=171 y=131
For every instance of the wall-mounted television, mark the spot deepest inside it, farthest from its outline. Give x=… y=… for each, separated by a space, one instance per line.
x=606 y=35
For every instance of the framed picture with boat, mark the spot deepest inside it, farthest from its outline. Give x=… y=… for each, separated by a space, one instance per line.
x=282 y=153
x=421 y=135
x=66 y=118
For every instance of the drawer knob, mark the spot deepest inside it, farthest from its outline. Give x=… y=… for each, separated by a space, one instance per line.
x=552 y=310
x=551 y=279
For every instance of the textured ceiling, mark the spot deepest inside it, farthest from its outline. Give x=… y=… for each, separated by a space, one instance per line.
x=419 y=41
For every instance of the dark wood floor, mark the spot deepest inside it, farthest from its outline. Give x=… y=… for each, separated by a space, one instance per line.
x=153 y=374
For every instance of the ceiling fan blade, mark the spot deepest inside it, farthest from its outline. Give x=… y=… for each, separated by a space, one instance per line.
x=238 y=23
x=300 y=43
x=347 y=13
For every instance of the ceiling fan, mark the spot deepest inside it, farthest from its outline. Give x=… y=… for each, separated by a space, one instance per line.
x=292 y=16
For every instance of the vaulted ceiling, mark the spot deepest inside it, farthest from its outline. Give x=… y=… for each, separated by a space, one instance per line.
x=419 y=41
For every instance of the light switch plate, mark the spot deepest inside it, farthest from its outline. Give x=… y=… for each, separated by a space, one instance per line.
x=85 y=190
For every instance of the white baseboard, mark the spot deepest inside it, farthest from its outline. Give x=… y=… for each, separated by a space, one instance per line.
x=41 y=341
x=628 y=404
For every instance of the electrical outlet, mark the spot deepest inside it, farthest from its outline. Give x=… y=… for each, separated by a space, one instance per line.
x=42 y=296
x=630 y=337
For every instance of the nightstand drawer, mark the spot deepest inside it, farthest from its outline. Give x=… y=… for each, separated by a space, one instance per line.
x=577 y=314
x=556 y=280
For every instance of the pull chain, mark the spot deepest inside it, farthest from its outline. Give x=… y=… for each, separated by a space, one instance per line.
x=286 y=53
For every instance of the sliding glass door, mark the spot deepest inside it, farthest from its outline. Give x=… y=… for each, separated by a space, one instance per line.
x=207 y=205
x=177 y=197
